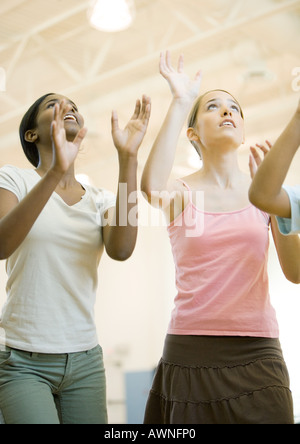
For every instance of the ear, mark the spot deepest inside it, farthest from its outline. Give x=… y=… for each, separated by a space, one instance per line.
x=192 y=135
x=31 y=136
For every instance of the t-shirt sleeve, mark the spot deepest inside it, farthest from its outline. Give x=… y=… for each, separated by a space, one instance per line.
x=11 y=180
x=292 y=225
x=105 y=200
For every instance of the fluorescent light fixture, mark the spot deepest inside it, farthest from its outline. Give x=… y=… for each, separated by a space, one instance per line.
x=111 y=15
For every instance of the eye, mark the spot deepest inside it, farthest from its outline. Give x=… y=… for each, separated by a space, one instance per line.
x=74 y=107
x=212 y=106
x=51 y=105
x=235 y=108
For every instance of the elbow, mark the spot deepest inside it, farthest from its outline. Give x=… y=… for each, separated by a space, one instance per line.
x=153 y=191
x=293 y=275
x=294 y=279
x=258 y=200
x=4 y=252
x=120 y=256
x=121 y=253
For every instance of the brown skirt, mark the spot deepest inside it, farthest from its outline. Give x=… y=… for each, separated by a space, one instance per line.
x=220 y=380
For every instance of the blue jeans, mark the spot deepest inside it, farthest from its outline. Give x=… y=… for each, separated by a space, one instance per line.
x=52 y=389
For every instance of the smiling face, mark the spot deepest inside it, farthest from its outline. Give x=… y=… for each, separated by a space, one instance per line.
x=217 y=121
x=73 y=119
x=35 y=127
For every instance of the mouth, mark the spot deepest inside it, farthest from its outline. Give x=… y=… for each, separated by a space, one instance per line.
x=70 y=118
x=229 y=123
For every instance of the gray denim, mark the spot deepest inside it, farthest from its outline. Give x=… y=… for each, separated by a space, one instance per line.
x=40 y=388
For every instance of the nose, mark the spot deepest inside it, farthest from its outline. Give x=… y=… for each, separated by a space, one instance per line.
x=226 y=111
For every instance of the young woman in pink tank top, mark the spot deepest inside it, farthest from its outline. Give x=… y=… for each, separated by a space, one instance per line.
x=222 y=361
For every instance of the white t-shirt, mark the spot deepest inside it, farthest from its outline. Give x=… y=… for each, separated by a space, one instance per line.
x=292 y=225
x=52 y=276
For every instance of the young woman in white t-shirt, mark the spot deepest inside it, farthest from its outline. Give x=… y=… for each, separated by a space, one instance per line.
x=52 y=232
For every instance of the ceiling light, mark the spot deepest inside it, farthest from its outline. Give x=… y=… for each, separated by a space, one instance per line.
x=111 y=15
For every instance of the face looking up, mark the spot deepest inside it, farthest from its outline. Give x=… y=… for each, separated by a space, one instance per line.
x=217 y=120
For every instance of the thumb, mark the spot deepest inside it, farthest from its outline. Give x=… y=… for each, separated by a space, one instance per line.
x=252 y=166
x=114 y=121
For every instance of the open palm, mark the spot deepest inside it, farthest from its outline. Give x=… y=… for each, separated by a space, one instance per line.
x=182 y=86
x=64 y=151
x=129 y=140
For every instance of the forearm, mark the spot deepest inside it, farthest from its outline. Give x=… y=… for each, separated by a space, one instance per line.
x=288 y=250
x=17 y=223
x=121 y=233
x=266 y=187
x=161 y=159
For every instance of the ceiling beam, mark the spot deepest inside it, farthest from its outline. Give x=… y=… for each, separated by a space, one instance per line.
x=221 y=31
x=16 y=57
x=201 y=37
x=74 y=75
x=84 y=5
x=10 y=5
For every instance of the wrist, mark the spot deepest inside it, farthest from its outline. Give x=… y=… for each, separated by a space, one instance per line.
x=54 y=175
x=128 y=166
x=184 y=101
x=128 y=159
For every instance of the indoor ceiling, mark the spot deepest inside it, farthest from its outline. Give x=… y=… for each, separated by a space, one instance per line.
x=251 y=48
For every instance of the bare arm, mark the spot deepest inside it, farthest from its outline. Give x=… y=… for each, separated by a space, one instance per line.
x=288 y=250
x=266 y=191
x=120 y=233
x=287 y=247
x=17 y=218
x=160 y=162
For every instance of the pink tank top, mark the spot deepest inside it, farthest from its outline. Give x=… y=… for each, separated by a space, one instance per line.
x=221 y=264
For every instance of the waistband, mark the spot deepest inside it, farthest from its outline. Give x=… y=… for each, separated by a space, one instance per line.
x=219 y=351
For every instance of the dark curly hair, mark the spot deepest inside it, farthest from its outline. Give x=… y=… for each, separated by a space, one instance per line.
x=29 y=123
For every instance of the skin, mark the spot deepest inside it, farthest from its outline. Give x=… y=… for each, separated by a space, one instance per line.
x=224 y=185
x=58 y=142
x=267 y=193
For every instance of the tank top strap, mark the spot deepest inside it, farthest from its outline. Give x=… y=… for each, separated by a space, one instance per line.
x=188 y=188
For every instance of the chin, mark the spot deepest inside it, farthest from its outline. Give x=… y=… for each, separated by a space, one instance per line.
x=72 y=133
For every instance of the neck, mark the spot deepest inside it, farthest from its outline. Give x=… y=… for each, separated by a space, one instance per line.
x=67 y=181
x=221 y=170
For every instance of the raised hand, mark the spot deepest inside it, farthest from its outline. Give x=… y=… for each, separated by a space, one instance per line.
x=64 y=151
x=255 y=159
x=182 y=86
x=129 y=140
